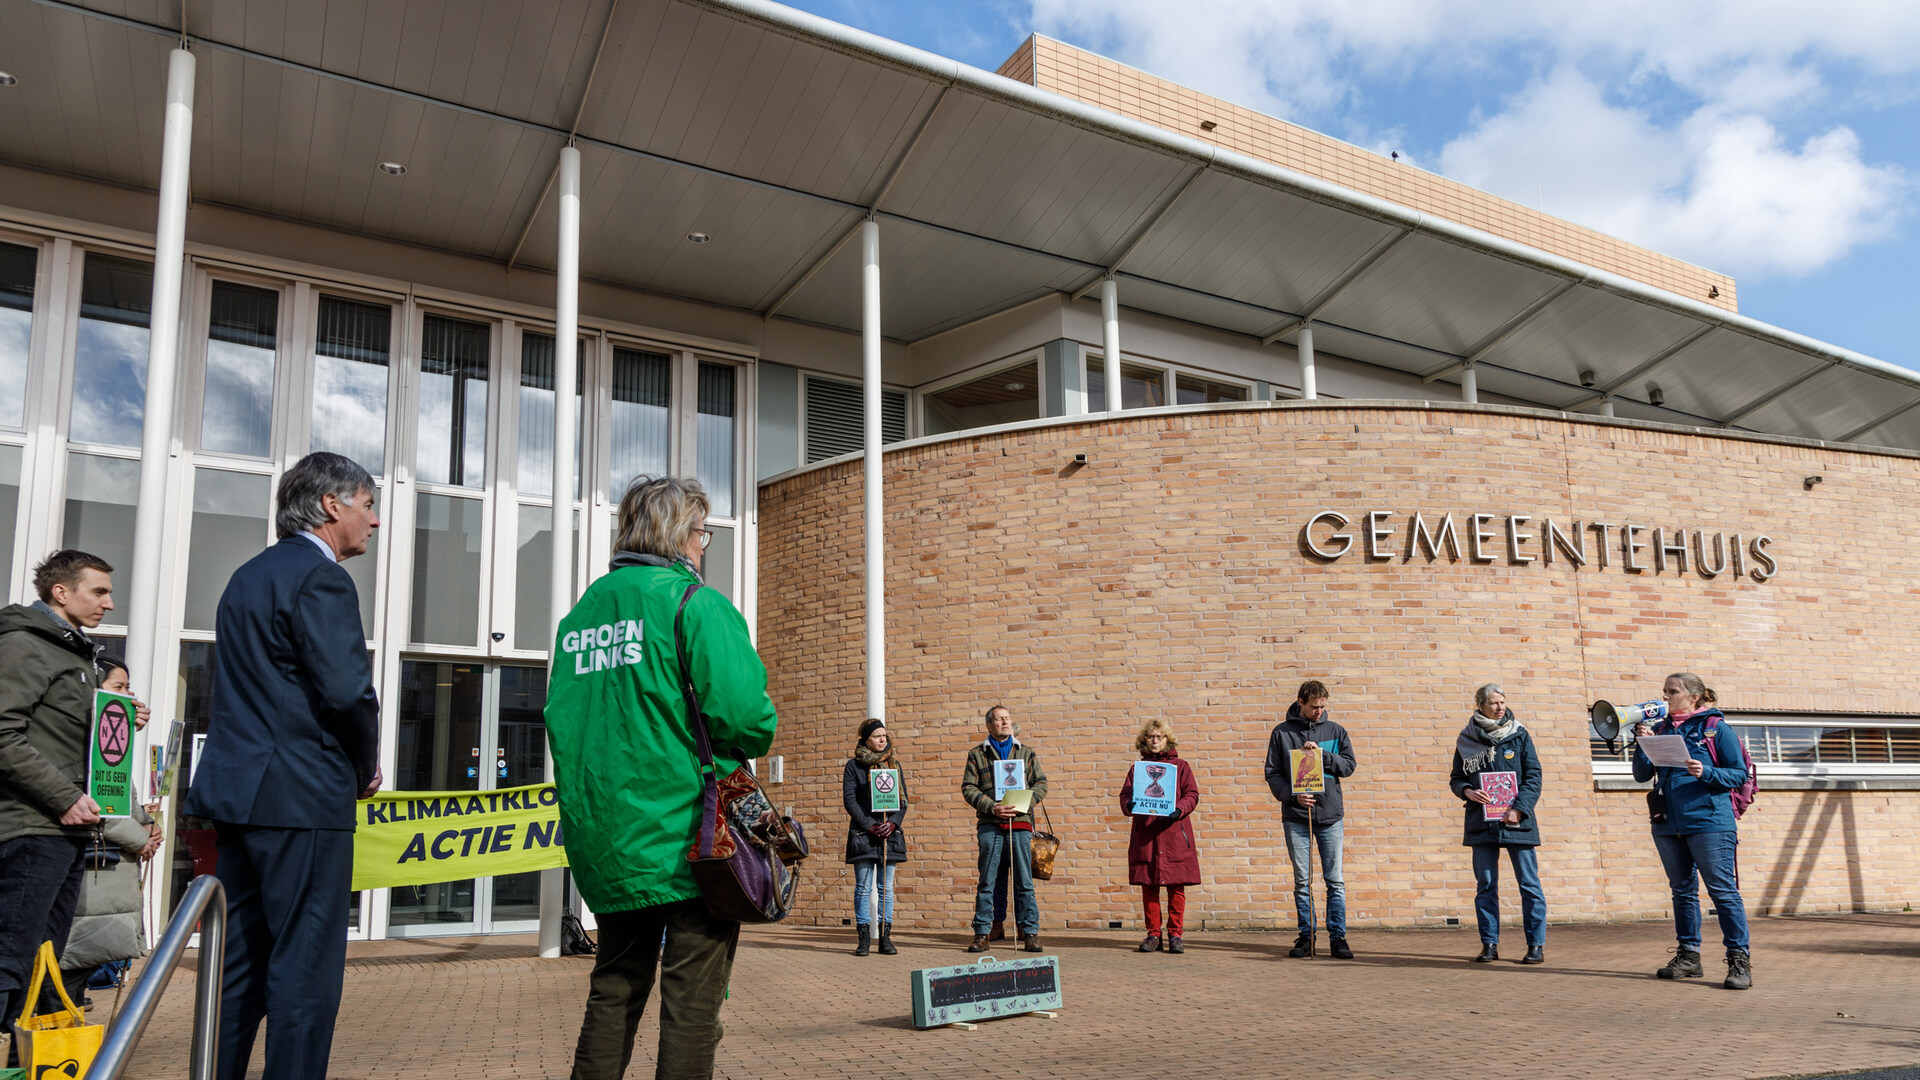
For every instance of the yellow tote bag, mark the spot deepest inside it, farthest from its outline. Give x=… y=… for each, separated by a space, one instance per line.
x=57 y=1046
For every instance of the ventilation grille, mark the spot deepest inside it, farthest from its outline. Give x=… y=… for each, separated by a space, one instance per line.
x=835 y=418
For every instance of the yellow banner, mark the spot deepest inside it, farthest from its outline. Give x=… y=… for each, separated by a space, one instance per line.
x=424 y=837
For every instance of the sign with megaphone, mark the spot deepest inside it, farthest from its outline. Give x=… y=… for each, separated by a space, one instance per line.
x=1607 y=719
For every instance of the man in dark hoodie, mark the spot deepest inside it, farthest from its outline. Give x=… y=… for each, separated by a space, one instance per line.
x=47 y=682
x=1308 y=724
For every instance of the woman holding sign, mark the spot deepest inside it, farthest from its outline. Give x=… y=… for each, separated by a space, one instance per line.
x=1160 y=793
x=1496 y=772
x=874 y=790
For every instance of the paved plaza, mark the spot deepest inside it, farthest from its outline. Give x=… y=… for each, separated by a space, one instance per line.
x=1835 y=993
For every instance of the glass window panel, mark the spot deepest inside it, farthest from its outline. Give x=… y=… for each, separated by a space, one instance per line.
x=193 y=838
x=446 y=570
x=438 y=749
x=102 y=493
x=19 y=267
x=716 y=569
x=532 y=592
x=1141 y=387
x=1797 y=745
x=110 y=351
x=642 y=388
x=452 y=447
x=9 y=512
x=350 y=381
x=365 y=571
x=713 y=446
x=237 y=413
x=1870 y=746
x=1000 y=398
x=1836 y=746
x=536 y=414
x=229 y=527
x=1194 y=390
x=1904 y=745
x=520 y=759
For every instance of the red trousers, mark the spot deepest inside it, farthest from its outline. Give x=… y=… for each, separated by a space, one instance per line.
x=1176 y=908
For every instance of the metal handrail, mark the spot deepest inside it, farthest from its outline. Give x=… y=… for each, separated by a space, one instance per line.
x=206 y=904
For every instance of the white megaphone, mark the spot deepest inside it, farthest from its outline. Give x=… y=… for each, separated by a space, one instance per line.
x=1607 y=718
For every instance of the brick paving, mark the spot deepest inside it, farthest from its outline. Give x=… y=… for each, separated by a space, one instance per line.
x=1832 y=993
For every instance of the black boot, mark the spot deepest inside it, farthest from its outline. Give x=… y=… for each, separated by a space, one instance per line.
x=1739 y=970
x=1684 y=965
x=886 y=939
x=1302 y=945
x=866 y=940
x=1489 y=952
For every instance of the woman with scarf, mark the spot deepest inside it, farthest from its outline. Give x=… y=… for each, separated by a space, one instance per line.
x=1160 y=851
x=1494 y=763
x=874 y=839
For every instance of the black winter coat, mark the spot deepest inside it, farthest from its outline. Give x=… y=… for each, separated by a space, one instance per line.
x=863 y=846
x=1516 y=755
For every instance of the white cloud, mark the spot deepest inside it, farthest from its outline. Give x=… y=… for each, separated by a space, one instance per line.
x=1660 y=123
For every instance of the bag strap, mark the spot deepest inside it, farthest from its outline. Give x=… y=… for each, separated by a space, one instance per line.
x=702 y=738
x=44 y=962
x=1044 y=816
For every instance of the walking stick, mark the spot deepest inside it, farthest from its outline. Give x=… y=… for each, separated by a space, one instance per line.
x=1312 y=938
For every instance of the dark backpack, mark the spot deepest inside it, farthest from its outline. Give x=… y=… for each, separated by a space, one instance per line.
x=573 y=937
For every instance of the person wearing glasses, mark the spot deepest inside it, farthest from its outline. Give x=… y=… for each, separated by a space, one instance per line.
x=1160 y=848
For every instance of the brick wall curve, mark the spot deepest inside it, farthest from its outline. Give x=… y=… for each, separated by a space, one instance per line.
x=1168 y=577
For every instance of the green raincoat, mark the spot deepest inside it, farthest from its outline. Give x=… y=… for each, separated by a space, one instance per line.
x=628 y=773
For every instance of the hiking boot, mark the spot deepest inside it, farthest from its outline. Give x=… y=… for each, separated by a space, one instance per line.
x=1152 y=944
x=1739 y=970
x=866 y=940
x=1173 y=944
x=1337 y=946
x=1030 y=942
x=1302 y=946
x=1684 y=965
x=999 y=931
x=979 y=943
x=1489 y=952
x=1536 y=954
x=886 y=940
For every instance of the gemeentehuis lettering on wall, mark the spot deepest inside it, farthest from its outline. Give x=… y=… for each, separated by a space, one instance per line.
x=1385 y=535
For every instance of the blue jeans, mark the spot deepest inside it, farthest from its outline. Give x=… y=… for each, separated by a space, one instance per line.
x=1486 y=898
x=1711 y=856
x=995 y=843
x=39 y=885
x=1299 y=853
x=863 y=875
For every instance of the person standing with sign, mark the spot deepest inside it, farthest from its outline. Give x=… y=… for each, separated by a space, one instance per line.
x=1694 y=826
x=293 y=740
x=1160 y=794
x=874 y=790
x=1496 y=772
x=1311 y=818
x=1004 y=825
x=47 y=683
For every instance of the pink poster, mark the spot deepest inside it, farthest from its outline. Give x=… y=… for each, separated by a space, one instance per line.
x=1504 y=787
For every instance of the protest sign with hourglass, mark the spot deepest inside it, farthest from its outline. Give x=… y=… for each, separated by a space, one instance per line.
x=110 y=767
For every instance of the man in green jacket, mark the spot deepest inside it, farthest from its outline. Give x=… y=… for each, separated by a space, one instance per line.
x=47 y=683
x=999 y=764
x=631 y=782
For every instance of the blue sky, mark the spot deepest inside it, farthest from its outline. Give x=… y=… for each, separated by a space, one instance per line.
x=1773 y=140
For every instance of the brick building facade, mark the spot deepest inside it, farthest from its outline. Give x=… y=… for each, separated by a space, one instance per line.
x=1172 y=576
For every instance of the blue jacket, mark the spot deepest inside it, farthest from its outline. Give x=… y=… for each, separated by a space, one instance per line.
x=1515 y=755
x=1697 y=804
x=295 y=730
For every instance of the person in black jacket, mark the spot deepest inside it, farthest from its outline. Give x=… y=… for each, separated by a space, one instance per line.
x=293 y=740
x=874 y=839
x=1494 y=742
x=1309 y=818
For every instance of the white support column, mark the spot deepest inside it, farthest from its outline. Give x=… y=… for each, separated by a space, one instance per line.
x=870 y=412
x=1606 y=406
x=163 y=346
x=1469 y=385
x=1110 y=339
x=566 y=333
x=1309 y=388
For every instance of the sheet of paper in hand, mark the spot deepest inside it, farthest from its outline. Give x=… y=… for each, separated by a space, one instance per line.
x=1009 y=775
x=110 y=764
x=884 y=784
x=1154 y=784
x=1309 y=770
x=1503 y=787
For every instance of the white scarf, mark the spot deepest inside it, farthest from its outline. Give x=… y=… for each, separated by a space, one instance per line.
x=1476 y=742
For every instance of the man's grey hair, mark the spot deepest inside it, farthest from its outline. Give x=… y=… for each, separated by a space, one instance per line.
x=1481 y=695
x=658 y=515
x=310 y=481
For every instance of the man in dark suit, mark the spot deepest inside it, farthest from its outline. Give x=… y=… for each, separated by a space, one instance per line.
x=293 y=740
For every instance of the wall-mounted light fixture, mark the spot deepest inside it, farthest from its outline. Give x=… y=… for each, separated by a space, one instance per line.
x=1588 y=378
x=1208 y=125
x=1809 y=482
x=1713 y=292
x=1656 y=397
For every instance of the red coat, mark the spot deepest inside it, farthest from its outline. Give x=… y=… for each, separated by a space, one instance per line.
x=1161 y=851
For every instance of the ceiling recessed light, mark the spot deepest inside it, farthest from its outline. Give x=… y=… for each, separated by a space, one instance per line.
x=698 y=237
x=7 y=79
x=393 y=168
x=1016 y=386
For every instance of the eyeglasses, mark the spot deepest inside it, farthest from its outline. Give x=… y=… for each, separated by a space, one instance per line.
x=706 y=538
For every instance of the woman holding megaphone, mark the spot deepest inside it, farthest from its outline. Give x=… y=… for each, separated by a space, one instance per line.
x=1693 y=824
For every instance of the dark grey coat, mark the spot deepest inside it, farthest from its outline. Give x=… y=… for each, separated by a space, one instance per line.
x=863 y=846
x=1514 y=754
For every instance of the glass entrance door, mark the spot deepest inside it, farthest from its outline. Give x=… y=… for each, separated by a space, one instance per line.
x=469 y=727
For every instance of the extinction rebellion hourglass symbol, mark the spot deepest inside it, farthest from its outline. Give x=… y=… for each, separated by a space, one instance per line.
x=1154 y=790
x=113 y=733
x=884 y=783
